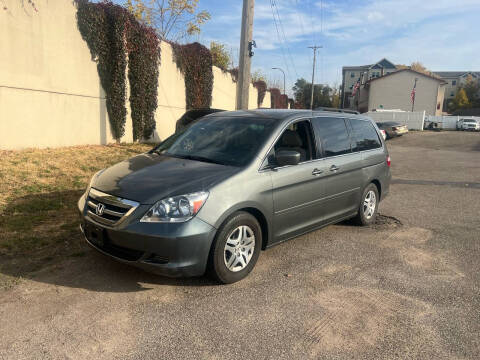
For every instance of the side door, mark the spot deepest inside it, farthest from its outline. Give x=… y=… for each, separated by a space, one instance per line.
x=342 y=168
x=297 y=191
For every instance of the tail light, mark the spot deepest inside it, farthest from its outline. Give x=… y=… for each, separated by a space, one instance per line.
x=394 y=128
x=388 y=161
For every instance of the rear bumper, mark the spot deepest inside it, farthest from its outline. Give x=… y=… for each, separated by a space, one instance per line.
x=400 y=132
x=174 y=250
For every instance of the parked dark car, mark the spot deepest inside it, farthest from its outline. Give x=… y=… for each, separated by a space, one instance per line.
x=232 y=184
x=392 y=128
x=191 y=115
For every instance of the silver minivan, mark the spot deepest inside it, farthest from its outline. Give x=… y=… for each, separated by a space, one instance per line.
x=215 y=194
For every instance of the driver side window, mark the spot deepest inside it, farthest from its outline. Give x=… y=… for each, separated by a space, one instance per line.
x=296 y=137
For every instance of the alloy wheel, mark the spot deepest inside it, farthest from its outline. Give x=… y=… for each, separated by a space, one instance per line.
x=369 y=204
x=239 y=248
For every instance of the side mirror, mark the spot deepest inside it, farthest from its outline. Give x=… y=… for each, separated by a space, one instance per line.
x=287 y=157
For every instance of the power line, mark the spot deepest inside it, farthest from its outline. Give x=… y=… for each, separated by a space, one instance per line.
x=285 y=38
x=280 y=40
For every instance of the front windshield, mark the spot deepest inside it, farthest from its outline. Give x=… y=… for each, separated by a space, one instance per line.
x=224 y=140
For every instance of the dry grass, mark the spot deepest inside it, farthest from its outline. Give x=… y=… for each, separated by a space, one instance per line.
x=38 y=194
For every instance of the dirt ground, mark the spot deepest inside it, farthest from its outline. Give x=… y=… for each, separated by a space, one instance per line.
x=406 y=288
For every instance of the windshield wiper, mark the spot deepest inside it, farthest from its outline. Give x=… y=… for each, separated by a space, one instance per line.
x=198 y=158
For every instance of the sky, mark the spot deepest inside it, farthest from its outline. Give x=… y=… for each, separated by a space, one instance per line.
x=444 y=35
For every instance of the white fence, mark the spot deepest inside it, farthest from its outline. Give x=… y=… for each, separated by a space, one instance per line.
x=446 y=122
x=413 y=120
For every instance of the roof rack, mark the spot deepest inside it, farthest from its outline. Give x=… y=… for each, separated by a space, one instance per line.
x=336 y=110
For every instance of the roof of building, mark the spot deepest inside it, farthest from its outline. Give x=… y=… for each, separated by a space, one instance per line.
x=410 y=70
x=383 y=63
x=454 y=74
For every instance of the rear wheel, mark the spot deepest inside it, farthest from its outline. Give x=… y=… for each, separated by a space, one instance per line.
x=236 y=248
x=367 y=210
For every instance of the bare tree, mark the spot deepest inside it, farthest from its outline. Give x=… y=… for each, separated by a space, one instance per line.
x=173 y=19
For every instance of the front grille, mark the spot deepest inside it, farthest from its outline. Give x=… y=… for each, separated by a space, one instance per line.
x=108 y=209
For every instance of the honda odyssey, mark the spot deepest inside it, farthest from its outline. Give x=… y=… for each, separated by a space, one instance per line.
x=215 y=194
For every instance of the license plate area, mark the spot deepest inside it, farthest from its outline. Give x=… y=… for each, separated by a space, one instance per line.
x=95 y=234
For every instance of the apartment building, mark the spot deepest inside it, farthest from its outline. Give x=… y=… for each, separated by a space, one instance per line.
x=454 y=80
x=351 y=74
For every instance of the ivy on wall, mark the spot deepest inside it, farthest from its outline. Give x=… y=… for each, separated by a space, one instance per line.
x=261 y=87
x=143 y=61
x=277 y=100
x=284 y=101
x=234 y=73
x=195 y=62
x=112 y=34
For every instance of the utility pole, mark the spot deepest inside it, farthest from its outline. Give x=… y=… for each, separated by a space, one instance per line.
x=275 y=68
x=246 y=45
x=315 y=47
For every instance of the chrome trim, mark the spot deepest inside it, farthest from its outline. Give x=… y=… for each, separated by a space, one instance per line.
x=111 y=199
x=128 y=205
x=106 y=211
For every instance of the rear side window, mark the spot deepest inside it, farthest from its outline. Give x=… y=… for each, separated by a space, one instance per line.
x=333 y=134
x=365 y=136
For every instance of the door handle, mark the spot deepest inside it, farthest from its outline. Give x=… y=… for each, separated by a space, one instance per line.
x=317 y=171
x=334 y=168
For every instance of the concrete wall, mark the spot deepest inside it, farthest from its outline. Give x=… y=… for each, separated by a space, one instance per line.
x=50 y=92
x=393 y=92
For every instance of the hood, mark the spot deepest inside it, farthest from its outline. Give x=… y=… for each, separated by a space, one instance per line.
x=147 y=178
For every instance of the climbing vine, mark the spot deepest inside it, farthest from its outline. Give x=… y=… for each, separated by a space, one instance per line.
x=143 y=61
x=261 y=87
x=195 y=62
x=234 y=73
x=284 y=101
x=112 y=34
x=276 y=98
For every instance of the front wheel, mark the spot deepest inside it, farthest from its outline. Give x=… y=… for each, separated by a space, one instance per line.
x=367 y=210
x=236 y=248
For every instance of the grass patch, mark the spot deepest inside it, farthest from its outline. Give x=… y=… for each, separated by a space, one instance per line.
x=39 y=190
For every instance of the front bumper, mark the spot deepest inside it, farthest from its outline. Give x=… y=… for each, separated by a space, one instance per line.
x=174 y=249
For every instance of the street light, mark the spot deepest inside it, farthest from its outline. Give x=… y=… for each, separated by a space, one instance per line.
x=276 y=68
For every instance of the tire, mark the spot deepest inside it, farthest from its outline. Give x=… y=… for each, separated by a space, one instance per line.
x=364 y=216
x=229 y=264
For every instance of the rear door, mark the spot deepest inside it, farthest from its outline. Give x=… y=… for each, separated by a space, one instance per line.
x=342 y=168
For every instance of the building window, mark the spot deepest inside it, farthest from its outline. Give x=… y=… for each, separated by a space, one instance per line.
x=454 y=82
x=351 y=87
x=451 y=94
x=352 y=75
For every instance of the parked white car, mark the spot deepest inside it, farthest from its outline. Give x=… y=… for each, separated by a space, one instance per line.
x=468 y=124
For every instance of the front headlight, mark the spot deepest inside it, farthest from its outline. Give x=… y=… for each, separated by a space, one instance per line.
x=176 y=209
